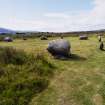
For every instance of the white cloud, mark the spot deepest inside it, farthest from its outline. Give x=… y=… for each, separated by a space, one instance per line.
x=82 y=20
x=16 y=24
x=57 y=15
x=73 y=21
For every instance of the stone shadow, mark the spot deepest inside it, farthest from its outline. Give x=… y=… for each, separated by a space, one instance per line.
x=102 y=49
x=71 y=57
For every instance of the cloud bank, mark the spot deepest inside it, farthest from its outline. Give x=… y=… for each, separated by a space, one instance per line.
x=80 y=20
x=67 y=21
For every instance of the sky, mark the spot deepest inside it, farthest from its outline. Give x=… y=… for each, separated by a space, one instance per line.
x=52 y=15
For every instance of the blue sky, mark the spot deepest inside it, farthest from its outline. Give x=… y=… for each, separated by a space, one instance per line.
x=51 y=15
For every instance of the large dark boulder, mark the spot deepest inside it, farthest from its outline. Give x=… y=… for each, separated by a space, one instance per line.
x=59 y=47
x=8 y=39
x=83 y=37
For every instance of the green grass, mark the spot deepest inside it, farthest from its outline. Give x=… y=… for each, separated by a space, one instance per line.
x=22 y=76
x=77 y=81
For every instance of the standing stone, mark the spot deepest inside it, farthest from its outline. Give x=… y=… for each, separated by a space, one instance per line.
x=101 y=46
x=43 y=37
x=59 y=47
x=83 y=37
x=99 y=38
x=8 y=39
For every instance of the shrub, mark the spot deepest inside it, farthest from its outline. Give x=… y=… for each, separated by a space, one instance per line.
x=22 y=76
x=9 y=55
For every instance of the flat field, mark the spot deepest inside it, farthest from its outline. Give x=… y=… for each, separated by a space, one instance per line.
x=79 y=80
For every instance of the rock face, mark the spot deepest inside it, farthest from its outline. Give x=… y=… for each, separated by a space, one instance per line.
x=83 y=37
x=8 y=39
x=59 y=47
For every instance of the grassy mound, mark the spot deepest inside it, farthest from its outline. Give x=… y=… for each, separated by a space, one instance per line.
x=22 y=76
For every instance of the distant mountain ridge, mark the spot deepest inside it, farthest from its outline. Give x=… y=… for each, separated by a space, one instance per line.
x=9 y=31
x=6 y=31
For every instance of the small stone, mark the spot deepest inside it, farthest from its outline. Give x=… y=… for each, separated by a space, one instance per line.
x=43 y=38
x=83 y=37
x=8 y=39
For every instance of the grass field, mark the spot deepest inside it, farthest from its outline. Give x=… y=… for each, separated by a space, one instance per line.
x=79 y=80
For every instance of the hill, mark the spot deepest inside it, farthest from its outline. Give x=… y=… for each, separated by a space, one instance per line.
x=6 y=31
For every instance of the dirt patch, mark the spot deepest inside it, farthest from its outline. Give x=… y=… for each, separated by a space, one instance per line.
x=97 y=99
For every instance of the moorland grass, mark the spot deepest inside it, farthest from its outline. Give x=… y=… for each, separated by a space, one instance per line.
x=22 y=76
x=79 y=80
